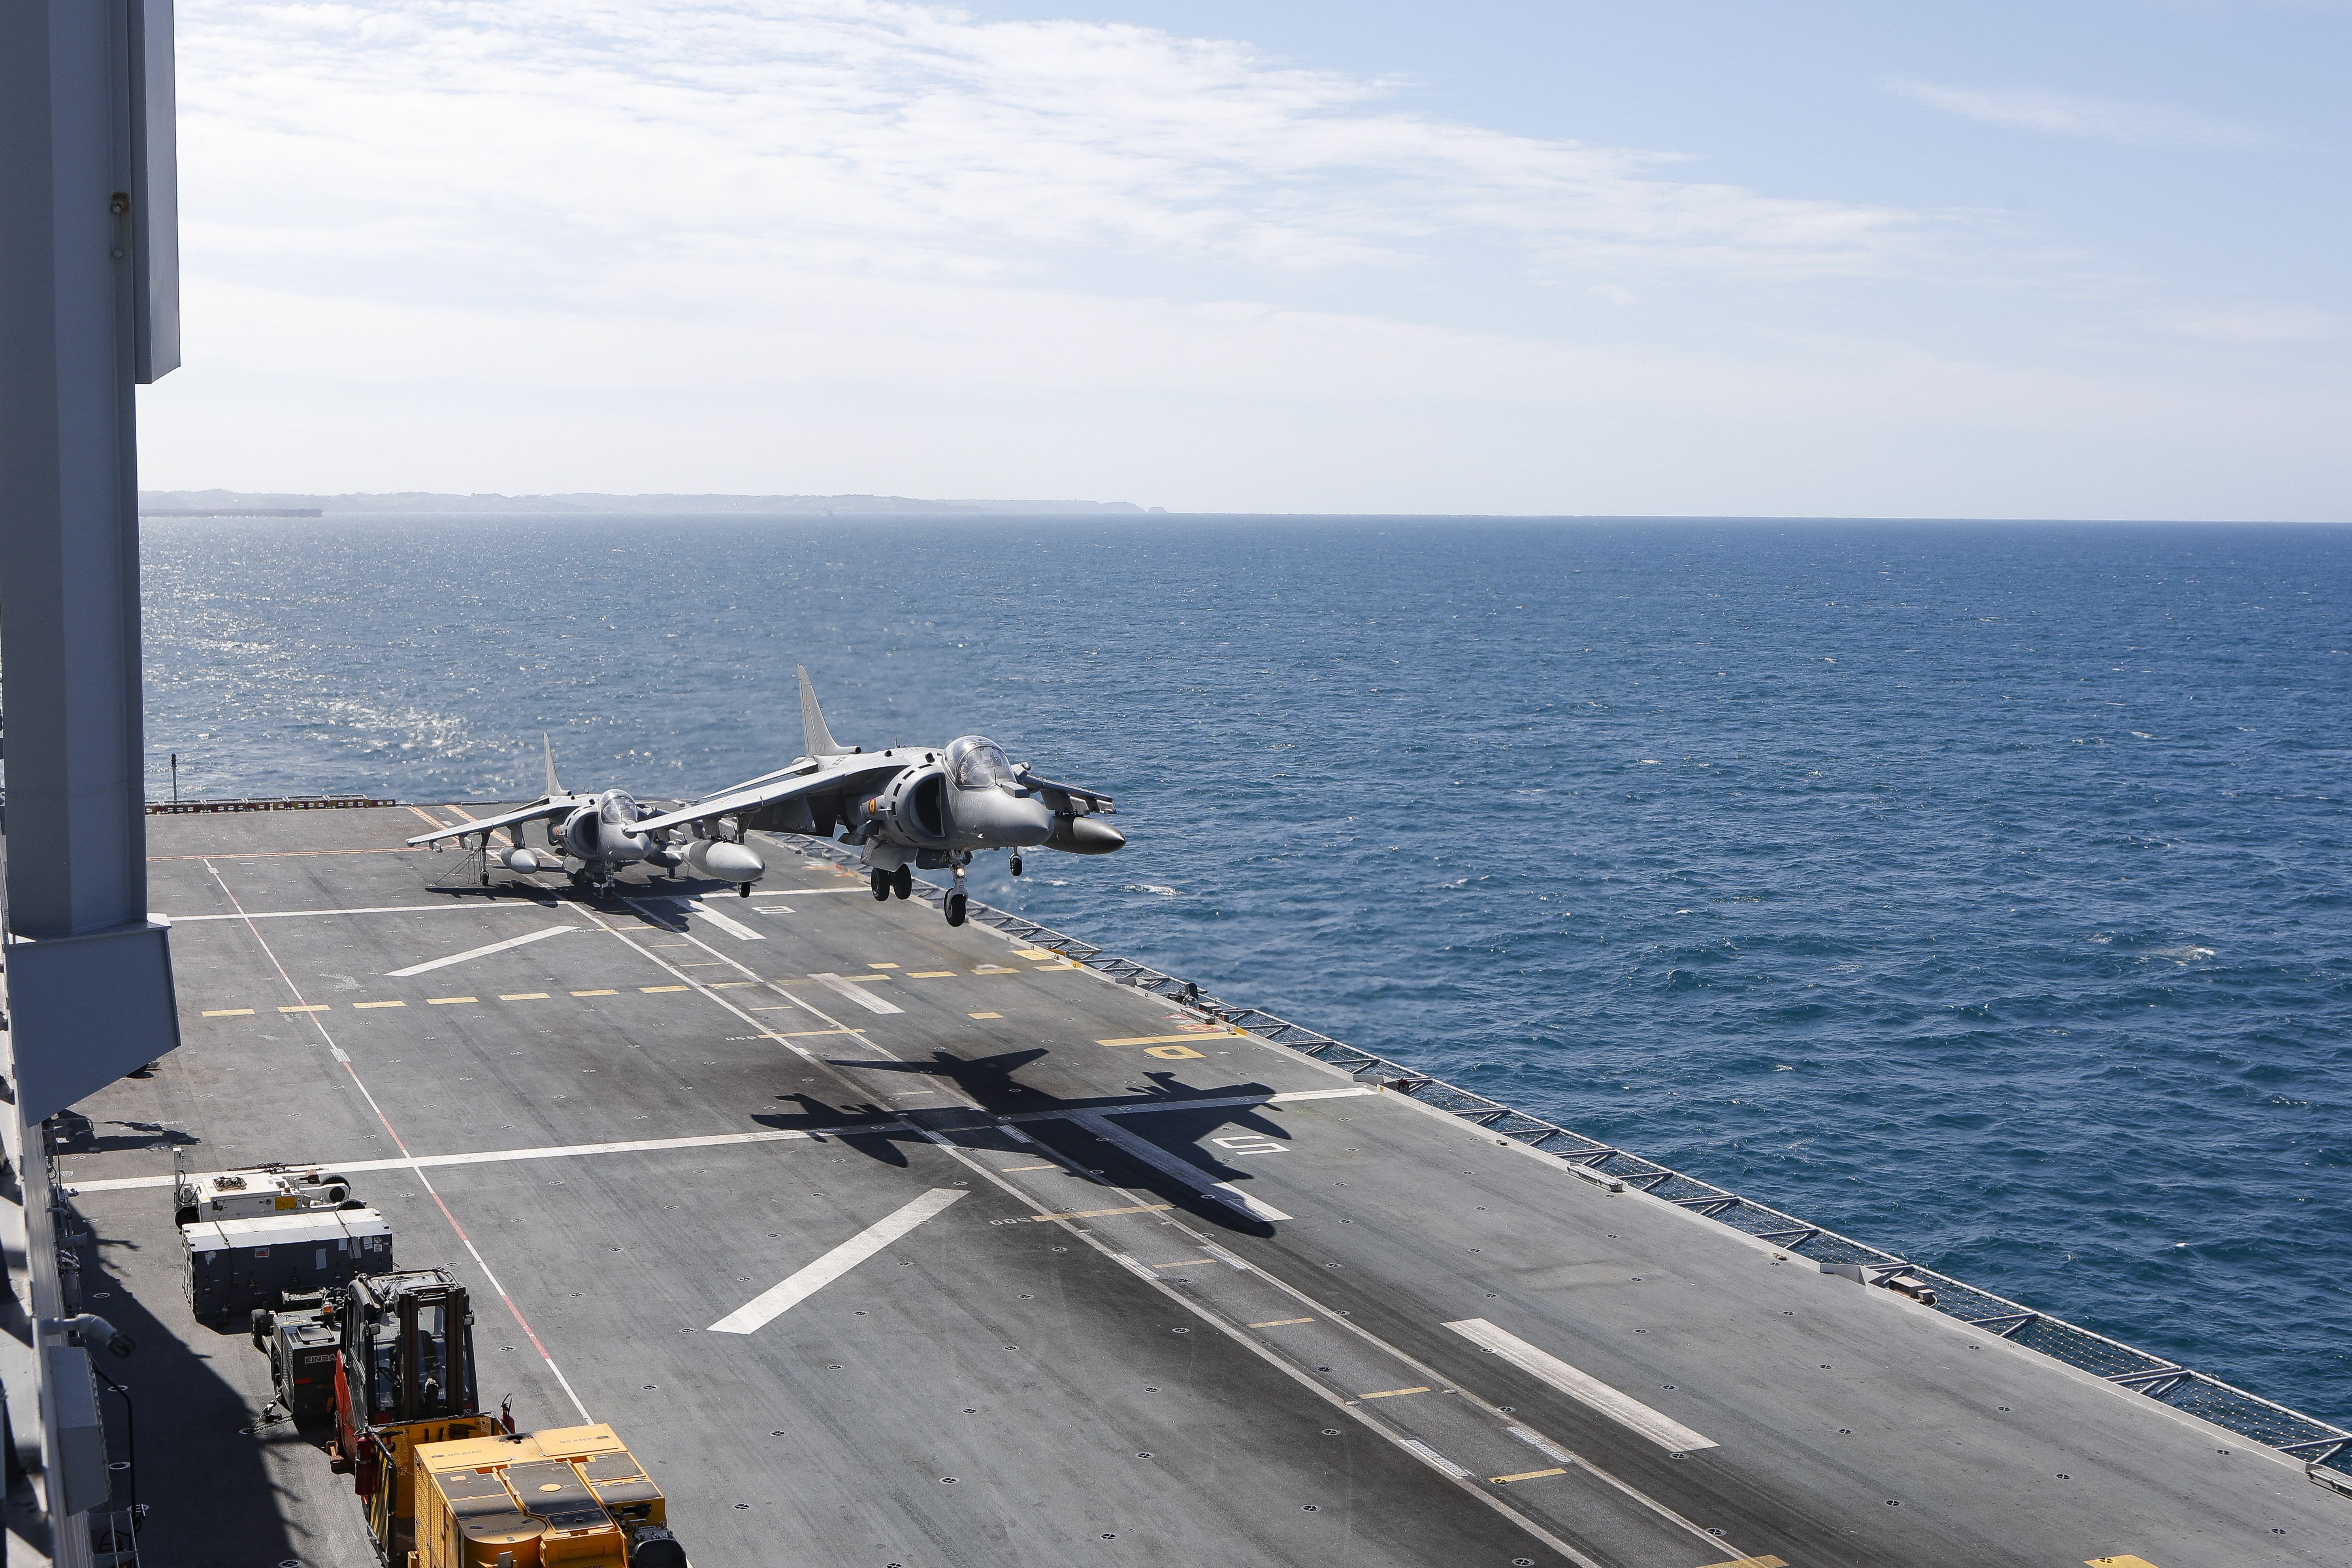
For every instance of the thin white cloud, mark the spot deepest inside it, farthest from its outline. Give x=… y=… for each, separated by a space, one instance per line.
x=2099 y=118
x=2251 y=324
x=908 y=138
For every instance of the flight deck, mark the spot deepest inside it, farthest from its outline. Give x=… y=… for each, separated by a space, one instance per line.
x=892 y=1244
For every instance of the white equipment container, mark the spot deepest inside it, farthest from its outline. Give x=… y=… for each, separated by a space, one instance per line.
x=256 y=1190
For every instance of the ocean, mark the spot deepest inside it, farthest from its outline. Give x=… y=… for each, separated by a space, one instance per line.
x=1981 y=890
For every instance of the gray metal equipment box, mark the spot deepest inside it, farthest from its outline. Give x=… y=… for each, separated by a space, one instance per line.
x=237 y=1265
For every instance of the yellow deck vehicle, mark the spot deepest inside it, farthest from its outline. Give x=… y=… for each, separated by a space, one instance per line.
x=571 y=1496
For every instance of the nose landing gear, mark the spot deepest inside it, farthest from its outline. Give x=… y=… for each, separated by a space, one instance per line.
x=952 y=906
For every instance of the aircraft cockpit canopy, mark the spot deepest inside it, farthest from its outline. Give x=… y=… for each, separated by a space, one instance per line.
x=975 y=762
x=618 y=809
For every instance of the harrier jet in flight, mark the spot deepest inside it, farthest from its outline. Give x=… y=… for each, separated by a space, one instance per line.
x=910 y=807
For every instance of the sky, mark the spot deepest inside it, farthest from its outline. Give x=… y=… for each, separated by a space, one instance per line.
x=1689 y=257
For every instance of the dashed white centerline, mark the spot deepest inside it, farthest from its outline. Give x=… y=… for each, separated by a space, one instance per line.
x=1184 y=1170
x=864 y=999
x=733 y=927
x=1623 y=1408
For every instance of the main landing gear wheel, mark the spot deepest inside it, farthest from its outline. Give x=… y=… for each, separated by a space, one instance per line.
x=955 y=908
x=880 y=881
x=902 y=882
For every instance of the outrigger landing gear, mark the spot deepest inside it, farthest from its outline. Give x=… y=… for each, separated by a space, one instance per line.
x=1016 y=864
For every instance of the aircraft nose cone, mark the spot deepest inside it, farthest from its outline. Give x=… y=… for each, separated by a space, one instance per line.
x=995 y=820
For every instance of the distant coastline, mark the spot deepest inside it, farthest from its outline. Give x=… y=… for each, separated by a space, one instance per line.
x=250 y=503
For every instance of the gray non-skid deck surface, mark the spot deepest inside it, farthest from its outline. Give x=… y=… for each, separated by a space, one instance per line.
x=1164 y=1379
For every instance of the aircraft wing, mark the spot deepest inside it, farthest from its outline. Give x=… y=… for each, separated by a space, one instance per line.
x=1072 y=796
x=774 y=791
x=490 y=824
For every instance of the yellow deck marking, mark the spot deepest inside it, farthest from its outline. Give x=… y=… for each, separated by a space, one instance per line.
x=419 y=811
x=986 y=1014
x=1281 y=1322
x=444 y=1001
x=2125 y=1561
x=650 y=988
x=881 y=966
x=1537 y=1474
x=1066 y=964
x=1171 y=1053
x=517 y=997
x=313 y=1007
x=1008 y=1169
x=858 y=979
x=1783 y=1562
x=1393 y=1393
x=230 y=1012
x=595 y=994
x=930 y=974
x=806 y=1033
x=1098 y=1214
x=1036 y=953
x=1153 y=1040
x=1184 y=1263
x=359 y=1005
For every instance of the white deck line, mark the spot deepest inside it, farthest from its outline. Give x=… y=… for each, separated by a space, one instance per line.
x=539 y=904
x=863 y=997
x=496 y=1156
x=1184 y=1170
x=733 y=928
x=1432 y=1458
x=777 y=1299
x=717 y=1139
x=523 y=941
x=1623 y=1408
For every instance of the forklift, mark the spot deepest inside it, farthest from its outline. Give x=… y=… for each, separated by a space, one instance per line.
x=380 y=1371
x=383 y=1364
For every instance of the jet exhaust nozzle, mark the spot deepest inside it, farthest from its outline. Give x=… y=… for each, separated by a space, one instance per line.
x=1084 y=836
x=723 y=862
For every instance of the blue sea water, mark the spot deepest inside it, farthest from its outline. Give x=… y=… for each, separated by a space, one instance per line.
x=1981 y=890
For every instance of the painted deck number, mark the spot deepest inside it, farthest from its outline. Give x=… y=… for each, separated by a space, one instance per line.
x=1251 y=1145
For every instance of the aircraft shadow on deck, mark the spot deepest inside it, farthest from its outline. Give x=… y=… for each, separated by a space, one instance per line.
x=1176 y=1130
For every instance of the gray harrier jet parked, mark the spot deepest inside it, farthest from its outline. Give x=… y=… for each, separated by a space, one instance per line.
x=592 y=837
x=927 y=807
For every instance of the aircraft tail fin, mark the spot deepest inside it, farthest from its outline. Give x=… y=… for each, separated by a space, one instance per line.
x=818 y=738
x=553 y=789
